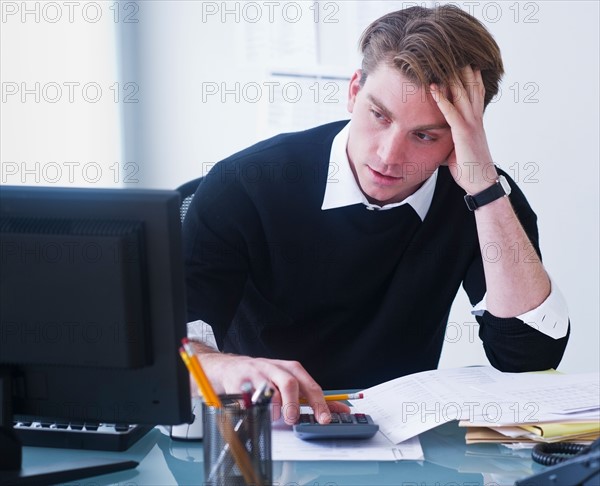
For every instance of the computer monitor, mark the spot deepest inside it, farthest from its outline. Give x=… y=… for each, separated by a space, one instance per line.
x=92 y=308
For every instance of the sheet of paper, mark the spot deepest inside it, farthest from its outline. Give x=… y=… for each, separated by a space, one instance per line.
x=266 y=41
x=287 y=447
x=562 y=394
x=410 y=405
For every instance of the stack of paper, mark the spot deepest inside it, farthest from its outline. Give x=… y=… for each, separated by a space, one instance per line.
x=489 y=400
x=546 y=432
x=562 y=407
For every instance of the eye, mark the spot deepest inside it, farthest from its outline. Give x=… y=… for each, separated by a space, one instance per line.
x=425 y=137
x=378 y=116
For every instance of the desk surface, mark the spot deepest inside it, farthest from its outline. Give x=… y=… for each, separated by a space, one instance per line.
x=448 y=461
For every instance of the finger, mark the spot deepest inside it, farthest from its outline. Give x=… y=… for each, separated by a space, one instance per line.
x=460 y=97
x=470 y=83
x=338 y=407
x=293 y=380
x=310 y=390
x=316 y=400
x=287 y=395
x=478 y=93
x=276 y=405
x=445 y=106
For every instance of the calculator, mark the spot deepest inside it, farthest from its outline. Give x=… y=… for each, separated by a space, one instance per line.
x=342 y=426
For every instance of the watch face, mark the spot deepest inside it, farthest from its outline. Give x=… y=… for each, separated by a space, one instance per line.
x=505 y=185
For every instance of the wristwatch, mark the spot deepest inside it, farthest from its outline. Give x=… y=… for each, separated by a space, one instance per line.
x=499 y=189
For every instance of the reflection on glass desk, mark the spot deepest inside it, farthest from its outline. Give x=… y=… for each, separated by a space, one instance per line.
x=448 y=461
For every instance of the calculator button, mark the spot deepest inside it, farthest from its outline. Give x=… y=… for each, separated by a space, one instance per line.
x=361 y=418
x=306 y=418
x=335 y=418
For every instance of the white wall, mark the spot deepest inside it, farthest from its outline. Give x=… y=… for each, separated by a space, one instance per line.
x=209 y=78
x=61 y=95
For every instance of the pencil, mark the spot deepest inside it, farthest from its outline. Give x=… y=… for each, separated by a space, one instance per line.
x=193 y=366
x=239 y=452
x=341 y=396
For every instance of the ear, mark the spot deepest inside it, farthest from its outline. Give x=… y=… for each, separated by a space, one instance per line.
x=353 y=89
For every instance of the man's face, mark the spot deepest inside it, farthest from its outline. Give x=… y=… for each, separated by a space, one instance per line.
x=398 y=136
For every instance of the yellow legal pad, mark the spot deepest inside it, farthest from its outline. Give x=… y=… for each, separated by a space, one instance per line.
x=558 y=429
x=541 y=432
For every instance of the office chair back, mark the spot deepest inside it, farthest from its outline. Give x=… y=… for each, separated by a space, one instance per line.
x=187 y=191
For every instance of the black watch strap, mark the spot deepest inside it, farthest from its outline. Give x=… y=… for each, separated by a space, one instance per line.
x=499 y=189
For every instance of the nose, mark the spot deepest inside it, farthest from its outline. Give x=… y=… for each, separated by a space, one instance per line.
x=391 y=150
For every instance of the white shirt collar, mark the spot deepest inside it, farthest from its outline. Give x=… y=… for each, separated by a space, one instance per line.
x=343 y=190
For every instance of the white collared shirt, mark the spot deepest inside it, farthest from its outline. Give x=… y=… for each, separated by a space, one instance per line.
x=342 y=189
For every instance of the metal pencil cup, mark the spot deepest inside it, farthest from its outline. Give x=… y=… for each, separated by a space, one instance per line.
x=237 y=444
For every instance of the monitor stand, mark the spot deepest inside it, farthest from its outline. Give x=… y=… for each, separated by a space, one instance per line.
x=11 y=470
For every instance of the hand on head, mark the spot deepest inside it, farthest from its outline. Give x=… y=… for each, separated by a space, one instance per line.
x=462 y=104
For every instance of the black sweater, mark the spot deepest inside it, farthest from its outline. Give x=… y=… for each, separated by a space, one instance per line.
x=357 y=296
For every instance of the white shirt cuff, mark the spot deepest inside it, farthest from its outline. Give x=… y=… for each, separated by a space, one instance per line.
x=201 y=331
x=551 y=317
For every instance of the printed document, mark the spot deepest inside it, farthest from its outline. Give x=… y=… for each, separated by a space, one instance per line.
x=410 y=405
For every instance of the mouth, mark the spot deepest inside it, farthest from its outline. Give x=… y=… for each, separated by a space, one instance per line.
x=382 y=178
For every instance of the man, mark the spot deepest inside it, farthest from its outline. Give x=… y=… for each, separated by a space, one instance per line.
x=330 y=258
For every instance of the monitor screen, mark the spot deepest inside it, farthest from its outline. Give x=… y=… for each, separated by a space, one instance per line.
x=92 y=305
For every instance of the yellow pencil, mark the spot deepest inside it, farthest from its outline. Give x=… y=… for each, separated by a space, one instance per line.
x=342 y=396
x=206 y=389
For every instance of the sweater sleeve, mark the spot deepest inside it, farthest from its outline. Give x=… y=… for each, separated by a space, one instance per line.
x=509 y=343
x=216 y=253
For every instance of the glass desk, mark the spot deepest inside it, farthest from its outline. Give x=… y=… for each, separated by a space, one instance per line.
x=448 y=462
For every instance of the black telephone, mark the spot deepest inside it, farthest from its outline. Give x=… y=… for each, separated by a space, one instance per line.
x=582 y=469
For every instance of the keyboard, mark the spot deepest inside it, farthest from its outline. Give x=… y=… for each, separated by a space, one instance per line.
x=102 y=437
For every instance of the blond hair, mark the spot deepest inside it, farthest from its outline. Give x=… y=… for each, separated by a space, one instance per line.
x=432 y=46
